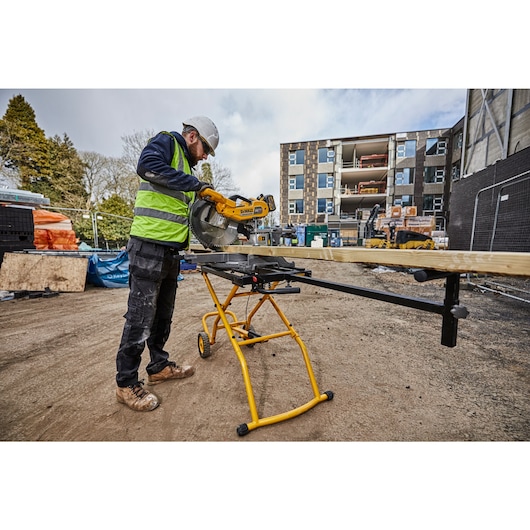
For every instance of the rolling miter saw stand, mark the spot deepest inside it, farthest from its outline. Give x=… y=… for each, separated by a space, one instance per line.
x=216 y=221
x=263 y=275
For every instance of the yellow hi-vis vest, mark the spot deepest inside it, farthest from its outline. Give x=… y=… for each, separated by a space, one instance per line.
x=161 y=214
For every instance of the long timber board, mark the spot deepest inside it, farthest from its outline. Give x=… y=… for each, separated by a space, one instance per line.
x=497 y=263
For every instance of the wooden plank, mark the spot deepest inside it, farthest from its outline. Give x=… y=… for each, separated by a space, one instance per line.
x=36 y=272
x=501 y=263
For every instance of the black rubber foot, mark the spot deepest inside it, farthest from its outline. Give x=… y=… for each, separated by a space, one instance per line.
x=329 y=393
x=243 y=429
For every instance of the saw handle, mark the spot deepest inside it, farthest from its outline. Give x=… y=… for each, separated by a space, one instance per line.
x=236 y=197
x=209 y=194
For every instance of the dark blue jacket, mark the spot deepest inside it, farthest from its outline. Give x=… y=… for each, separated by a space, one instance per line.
x=154 y=164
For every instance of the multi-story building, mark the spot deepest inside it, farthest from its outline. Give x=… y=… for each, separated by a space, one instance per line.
x=338 y=181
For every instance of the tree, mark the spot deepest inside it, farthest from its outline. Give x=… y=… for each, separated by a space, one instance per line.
x=133 y=145
x=65 y=187
x=24 y=149
x=94 y=167
x=51 y=166
x=106 y=176
x=120 y=180
x=116 y=220
x=9 y=177
x=219 y=176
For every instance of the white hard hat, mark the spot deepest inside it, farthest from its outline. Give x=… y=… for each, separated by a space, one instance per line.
x=207 y=130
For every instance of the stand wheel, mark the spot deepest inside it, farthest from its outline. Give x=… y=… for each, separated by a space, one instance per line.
x=242 y=429
x=329 y=393
x=203 y=343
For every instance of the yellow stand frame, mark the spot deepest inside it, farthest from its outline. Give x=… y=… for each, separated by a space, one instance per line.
x=242 y=329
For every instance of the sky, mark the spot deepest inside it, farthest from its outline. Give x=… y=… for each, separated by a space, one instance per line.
x=252 y=123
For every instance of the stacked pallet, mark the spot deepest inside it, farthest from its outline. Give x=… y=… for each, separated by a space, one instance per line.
x=16 y=229
x=406 y=219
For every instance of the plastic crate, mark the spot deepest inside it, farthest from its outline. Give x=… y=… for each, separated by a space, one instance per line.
x=16 y=220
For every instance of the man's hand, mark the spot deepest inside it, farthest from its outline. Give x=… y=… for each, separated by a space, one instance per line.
x=204 y=186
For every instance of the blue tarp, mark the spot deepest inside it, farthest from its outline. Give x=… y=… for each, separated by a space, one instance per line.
x=113 y=272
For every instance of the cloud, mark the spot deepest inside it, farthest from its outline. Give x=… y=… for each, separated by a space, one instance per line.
x=252 y=122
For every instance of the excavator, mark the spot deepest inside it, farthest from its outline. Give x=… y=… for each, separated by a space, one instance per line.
x=394 y=238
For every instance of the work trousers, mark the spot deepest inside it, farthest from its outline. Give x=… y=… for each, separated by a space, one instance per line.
x=153 y=281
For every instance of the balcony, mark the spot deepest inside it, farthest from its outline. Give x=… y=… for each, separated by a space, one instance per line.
x=369 y=166
x=363 y=195
x=364 y=188
x=364 y=169
x=369 y=161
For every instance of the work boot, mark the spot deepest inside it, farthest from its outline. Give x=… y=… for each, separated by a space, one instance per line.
x=170 y=372
x=136 y=398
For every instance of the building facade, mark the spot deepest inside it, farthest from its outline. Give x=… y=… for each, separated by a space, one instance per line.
x=338 y=181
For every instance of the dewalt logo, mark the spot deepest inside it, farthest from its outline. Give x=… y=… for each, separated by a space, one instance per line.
x=245 y=212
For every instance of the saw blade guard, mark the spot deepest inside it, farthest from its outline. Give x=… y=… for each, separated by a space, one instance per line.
x=211 y=229
x=216 y=220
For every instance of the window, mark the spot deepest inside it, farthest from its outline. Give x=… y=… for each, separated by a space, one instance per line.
x=403 y=200
x=455 y=171
x=296 y=206
x=436 y=146
x=325 y=180
x=405 y=176
x=325 y=206
x=296 y=182
x=433 y=203
x=296 y=157
x=407 y=148
x=325 y=155
x=434 y=174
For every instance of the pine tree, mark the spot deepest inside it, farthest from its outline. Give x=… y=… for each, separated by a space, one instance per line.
x=23 y=144
x=66 y=185
x=48 y=166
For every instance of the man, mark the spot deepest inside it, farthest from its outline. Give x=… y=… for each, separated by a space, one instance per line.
x=158 y=232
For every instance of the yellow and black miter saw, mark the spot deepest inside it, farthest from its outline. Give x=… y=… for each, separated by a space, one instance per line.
x=217 y=221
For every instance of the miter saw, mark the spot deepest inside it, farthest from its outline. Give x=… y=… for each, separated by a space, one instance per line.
x=216 y=220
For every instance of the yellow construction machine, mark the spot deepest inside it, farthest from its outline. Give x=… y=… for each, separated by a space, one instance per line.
x=395 y=234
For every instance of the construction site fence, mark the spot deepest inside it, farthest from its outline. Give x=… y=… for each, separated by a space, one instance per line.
x=501 y=222
x=501 y=216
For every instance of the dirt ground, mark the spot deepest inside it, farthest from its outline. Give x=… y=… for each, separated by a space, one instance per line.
x=391 y=378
